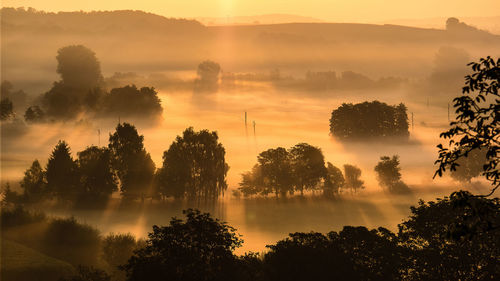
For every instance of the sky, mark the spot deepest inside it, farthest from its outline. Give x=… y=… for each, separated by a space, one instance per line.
x=329 y=10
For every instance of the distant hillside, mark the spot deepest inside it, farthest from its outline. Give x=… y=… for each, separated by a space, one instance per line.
x=135 y=41
x=260 y=19
x=491 y=24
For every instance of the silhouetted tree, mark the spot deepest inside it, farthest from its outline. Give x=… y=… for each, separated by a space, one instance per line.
x=334 y=180
x=276 y=171
x=97 y=180
x=355 y=253
x=208 y=76
x=78 y=67
x=34 y=183
x=352 y=176
x=199 y=248
x=308 y=166
x=6 y=109
x=130 y=101
x=68 y=240
x=62 y=173
x=455 y=238
x=34 y=114
x=477 y=122
x=117 y=249
x=130 y=161
x=194 y=167
x=252 y=183
x=389 y=176
x=369 y=120
x=17 y=97
x=470 y=167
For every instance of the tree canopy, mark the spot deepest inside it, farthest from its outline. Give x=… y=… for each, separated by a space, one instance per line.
x=62 y=173
x=132 y=164
x=199 y=248
x=389 y=175
x=476 y=125
x=369 y=120
x=194 y=167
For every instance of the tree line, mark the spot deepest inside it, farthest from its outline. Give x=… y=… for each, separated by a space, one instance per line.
x=433 y=243
x=194 y=167
x=284 y=172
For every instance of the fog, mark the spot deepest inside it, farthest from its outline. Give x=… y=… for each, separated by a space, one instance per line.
x=280 y=111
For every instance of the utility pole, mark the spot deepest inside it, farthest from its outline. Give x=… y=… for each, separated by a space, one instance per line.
x=448 y=112
x=254 y=128
x=99 y=136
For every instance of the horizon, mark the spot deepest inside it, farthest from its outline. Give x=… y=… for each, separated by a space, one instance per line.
x=343 y=12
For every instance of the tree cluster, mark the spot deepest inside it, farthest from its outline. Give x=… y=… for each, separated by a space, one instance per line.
x=369 y=120
x=82 y=90
x=298 y=169
x=194 y=168
x=389 y=175
x=433 y=244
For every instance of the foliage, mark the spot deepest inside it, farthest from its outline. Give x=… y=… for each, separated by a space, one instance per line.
x=208 y=76
x=276 y=171
x=199 y=248
x=389 y=176
x=62 y=173
x=334 y=180
x=355 y=253
x=470 y=167
x=34 y=114
x=78 y=67
x=194 y=167
x=308 y=166
x=97 y=180
x=130 y=161
x=281 y=171
x=88 y=273
x=369 y=120
x=117 y=249
x=130 y=101
x=6 y=109
x=352 y=175
x=476 y=125
x=71 y=241
x=34 y=183
x=455 y=238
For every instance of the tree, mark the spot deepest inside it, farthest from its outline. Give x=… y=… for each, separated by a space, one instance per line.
x=34 y=114
x=78 y=67
x=276 y=171
x=194 y=167
x=352 y=176
x=334 y=181
x=208 y=76
x=130 y=161
x=117 y=249
x=62 y=173
x=369 y=120
x=6 y=109
x=455 y=238
x=252 y=182
x=476 y=124
x=130 y=101
x=199 y=248
x=308 y=166
x=97 y=180
x=389 y=176
x=470 y=167
x=355 y=253
x=34 y=183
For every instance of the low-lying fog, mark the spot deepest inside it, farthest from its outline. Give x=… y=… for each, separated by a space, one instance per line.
x=281 y=119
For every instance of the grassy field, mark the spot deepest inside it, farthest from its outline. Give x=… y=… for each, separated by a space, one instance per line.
x=19 y=263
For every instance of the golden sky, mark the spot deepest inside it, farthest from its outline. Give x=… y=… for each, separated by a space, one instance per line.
x=330 y=10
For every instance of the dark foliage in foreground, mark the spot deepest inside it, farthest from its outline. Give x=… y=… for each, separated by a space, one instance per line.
x=435 y=243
